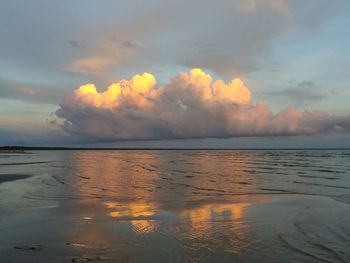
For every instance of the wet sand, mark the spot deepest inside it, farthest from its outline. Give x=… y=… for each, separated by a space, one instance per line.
x=12 y=177
x=175 y=206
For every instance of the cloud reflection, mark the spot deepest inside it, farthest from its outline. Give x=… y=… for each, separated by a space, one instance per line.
x=139 y=214
x=154 y=192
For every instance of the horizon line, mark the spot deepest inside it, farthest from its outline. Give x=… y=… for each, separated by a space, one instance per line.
x=48 y=148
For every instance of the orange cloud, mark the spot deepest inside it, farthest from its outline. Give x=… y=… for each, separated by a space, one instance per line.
x=133 y=90
x=191 y=105
x=141 y=91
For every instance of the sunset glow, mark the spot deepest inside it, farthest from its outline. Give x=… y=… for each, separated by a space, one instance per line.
x=141 y=91
x=190 y=105
x=174 y=131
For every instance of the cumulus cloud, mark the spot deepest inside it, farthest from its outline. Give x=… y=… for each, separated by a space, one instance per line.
x=191 y=105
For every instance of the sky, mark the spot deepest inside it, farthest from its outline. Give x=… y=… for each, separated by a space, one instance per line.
x=161 y=73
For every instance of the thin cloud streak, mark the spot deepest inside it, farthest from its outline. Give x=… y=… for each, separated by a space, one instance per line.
x=29 y=93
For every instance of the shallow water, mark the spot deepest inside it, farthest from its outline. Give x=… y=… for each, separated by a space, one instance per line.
x=175 y=206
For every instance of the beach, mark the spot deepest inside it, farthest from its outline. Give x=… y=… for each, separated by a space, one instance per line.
x=175 y=206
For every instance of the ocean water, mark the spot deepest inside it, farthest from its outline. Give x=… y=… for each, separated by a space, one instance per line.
x=175 y=206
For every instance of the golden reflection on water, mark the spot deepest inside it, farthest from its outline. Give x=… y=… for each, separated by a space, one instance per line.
x=208 y=212
x=115 y=174
x=159 y=176
x=200 y=219
x=149 y=181
x=222 y=226
x=136 y=213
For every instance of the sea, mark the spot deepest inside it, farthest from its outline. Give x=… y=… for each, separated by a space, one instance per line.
x=175 y=206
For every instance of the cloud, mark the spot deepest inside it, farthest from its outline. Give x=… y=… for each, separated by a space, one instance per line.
x=242 y=38
x=279 y=6
x=237 y=41
x=24 y=92
x=99 y=61
x=92 y=65
x=302 y=93
x=77 y=44
x=191 y=105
